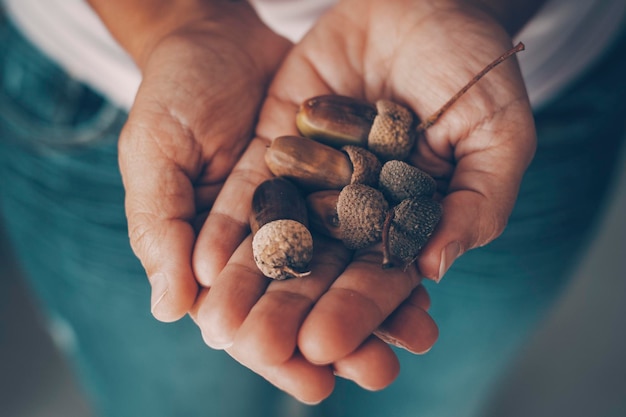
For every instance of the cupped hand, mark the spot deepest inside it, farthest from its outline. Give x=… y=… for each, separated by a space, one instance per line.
x=256 y=320
x=417 y=53
x=203 y=84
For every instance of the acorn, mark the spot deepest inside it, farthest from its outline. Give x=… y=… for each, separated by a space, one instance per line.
x=399 y=180
x=412 y=223
x=336 y=120
x=355 y=215
x=282 y=245
x=320 y=167
x=322 y=212
x=385 y=128
x=392 y=135
x=361 y=211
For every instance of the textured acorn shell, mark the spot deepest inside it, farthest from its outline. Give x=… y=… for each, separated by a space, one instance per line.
x=365 y=165
x=400 y=180
x=413 y=223
x=283 y=249
x=391 y=136
x=361 y=211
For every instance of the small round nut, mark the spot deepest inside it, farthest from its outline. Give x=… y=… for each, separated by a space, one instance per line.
x=361 y=210
x=283 y=249
x=391 y=136
x=400 y=180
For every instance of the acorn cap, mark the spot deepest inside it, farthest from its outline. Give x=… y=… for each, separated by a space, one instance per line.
x=361 y=210
x=391 y=136
x=413 y=223
x=365 y=165
x=400 y=180
x=283 y=249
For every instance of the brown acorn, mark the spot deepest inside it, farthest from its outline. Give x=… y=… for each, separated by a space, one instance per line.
x=399 y=180
x=322 y=211
x=392 y=135
x=336 y=120
x=386 y=128
x=282 y=244
x=320 y=167
x=361 y=211
x=412 y=223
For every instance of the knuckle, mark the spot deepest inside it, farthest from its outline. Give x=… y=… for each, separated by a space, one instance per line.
x=491 y=227
x=142 y=234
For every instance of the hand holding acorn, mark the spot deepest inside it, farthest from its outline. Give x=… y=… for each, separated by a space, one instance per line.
x=391 y=203
x=477 y=154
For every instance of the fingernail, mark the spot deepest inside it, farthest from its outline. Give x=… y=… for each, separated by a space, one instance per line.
x=390 y=340
x=160 y=287
x=448 y=256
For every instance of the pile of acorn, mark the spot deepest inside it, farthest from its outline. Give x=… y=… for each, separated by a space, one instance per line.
x=346 y=177
x=349 y=162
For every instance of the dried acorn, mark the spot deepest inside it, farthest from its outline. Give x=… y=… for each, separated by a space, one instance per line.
x=412 y=224
x=399 y=181
x=320 y=167
x=392 y=135
x=282 y=244
x=322 y=211
x=336 y=120
x=361 y=211
x=386 y=128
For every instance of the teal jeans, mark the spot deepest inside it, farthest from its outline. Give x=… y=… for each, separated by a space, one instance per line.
x=61 y=199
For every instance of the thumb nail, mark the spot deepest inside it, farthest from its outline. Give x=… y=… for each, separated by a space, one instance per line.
x=448 y=256
x=159 y=285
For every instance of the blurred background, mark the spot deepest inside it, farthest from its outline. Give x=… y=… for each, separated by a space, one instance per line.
x=574 y=366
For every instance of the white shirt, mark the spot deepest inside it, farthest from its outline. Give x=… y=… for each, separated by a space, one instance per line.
x=562 y=40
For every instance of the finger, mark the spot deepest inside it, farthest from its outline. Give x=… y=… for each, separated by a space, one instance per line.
x=372 y=366
x=228 y=302
x=420 y=298
x=410 y=327
x=472 y=216
x=353 y=307
x=269 y=332
x=160 y=208
x=228 y=222
x=306 y=382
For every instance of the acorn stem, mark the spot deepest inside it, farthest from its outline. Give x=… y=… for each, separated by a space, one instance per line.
x=295 y=274
x=387 y=262
x=437 y=115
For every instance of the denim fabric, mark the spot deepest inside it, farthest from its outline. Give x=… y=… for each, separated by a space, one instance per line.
x=62 y=199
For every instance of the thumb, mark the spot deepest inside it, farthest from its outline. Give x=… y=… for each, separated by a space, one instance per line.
x=160 y=209
x=480 y=199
